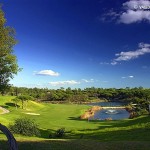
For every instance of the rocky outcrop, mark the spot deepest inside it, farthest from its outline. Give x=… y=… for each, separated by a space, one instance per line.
x=90 y=112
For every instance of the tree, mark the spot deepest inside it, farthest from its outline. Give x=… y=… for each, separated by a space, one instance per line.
x=16 y=100
x=24 y=98
x=11 y=140
x=8 y=61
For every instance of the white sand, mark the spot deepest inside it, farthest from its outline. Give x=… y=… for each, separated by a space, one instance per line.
x=4 y=110
x=32 y=114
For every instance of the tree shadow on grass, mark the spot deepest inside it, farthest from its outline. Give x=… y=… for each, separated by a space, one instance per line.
x=79 y=137
x=76 y=118
x=47 y=133
x=130 y=122
x=139 y=134
x=115 y=123
x=4 y=106
x=52 y=134
x=85 y=120
x=102 y=123
x=4 y=145
x=11 y=105
x=49 y=145
x=78 y=145
x=114 y=130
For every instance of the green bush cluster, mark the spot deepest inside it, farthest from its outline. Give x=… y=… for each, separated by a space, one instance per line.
x=133 y=115
x=60 y=132
x=25 y=97
x=25 y=126
x=147 y=125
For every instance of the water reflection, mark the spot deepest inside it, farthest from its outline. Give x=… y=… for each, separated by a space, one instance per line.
x=111 y=111
x=114 y=114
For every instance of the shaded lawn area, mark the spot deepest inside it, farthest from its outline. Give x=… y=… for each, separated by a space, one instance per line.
x=117 y=130
x=78 y=145
x=119 y=135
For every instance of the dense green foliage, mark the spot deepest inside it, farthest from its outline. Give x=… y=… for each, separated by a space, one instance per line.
x=25 y=126
x=139 y=96
x=8 y=61
x=60 y=132
x=22 y=98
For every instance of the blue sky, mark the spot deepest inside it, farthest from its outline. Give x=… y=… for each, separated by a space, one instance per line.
x=81 y=43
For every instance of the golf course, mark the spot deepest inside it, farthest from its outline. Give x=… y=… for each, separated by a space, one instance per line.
x=74 y=75
x=79 y=134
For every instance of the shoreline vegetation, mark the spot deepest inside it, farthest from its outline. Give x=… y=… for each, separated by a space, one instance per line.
x=96 y=100
x=74 y=102
x=90 y=112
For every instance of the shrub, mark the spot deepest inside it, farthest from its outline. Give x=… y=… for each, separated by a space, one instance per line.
x=60 y=132
x=129 y=108
x=147 y=125
x=133 y=115
x=143 y=111
x=25 y=126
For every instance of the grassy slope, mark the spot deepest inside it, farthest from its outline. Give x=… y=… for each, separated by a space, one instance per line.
x=54 y=116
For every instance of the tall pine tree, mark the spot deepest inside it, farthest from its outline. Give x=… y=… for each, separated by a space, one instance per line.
x=8 y=61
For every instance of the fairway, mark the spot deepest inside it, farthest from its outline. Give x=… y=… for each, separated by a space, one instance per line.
x=51 y=117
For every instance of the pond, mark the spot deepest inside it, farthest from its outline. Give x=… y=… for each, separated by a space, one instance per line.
x=114 y=114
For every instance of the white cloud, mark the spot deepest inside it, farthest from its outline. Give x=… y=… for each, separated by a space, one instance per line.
x=70 y=82
x=132 y=11
x=131 y=76
x=126 y=56
x=88 y=81
x=113 y=63
x=131 y=16
x=47 y=73
x=127 y=77
x=61 y=83
x=137 y=4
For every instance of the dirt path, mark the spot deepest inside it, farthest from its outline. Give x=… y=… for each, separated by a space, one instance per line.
x=4 y=110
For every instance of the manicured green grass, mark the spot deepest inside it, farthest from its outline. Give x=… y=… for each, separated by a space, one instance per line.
x=80 y=134
x=1 y=111
x=30 y=144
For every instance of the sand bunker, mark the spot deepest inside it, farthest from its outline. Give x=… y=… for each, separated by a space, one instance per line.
x=32 y=114
x=4 y=111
